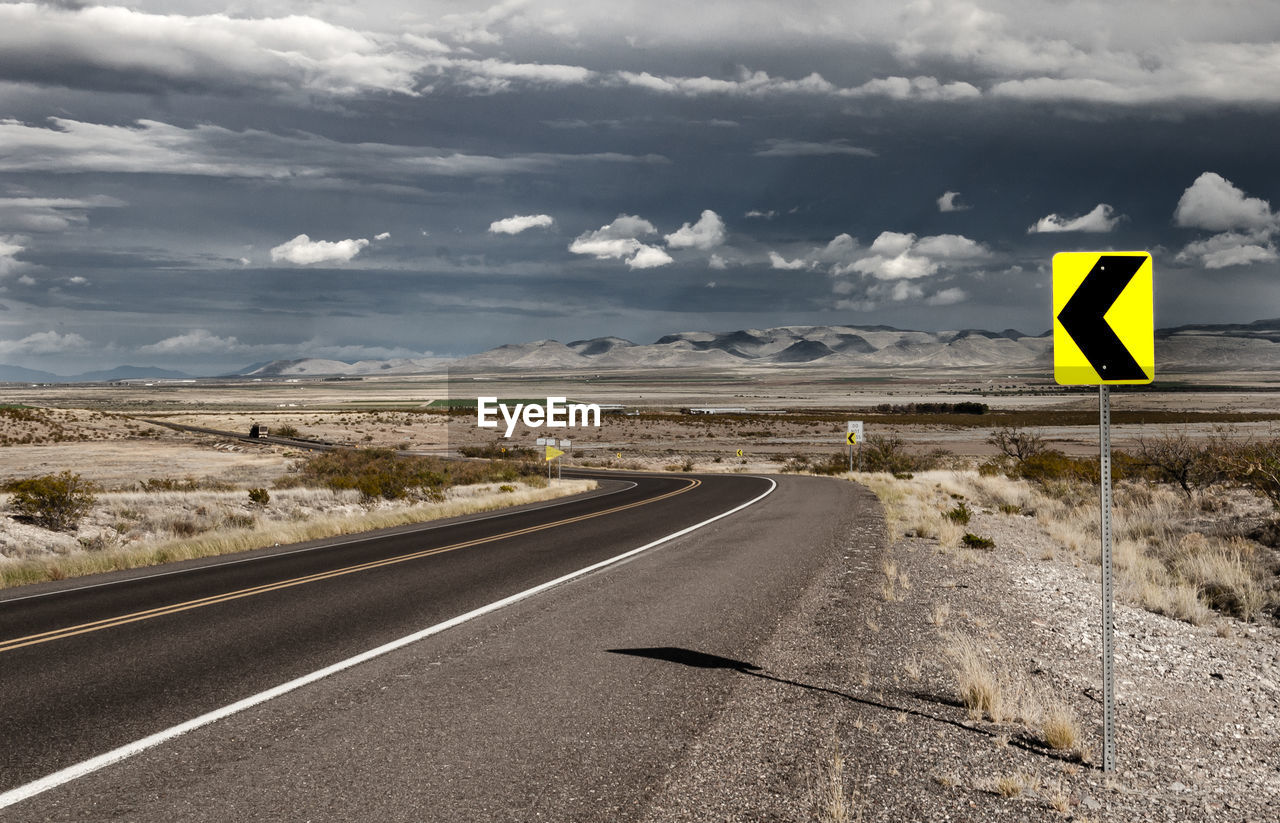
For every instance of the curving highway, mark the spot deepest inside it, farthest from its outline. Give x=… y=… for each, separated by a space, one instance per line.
x=92 y=665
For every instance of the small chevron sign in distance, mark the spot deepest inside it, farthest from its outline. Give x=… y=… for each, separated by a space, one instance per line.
x=1103 y=318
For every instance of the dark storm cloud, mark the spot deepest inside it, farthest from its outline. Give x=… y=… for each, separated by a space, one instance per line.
x=152 y=158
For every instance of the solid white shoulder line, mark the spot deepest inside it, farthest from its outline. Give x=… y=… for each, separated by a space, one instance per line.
x=128 y=750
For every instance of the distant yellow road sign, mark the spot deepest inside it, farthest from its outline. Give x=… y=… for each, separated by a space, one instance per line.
x=739 y=452
x=552 y=453
x=851 y=438
x=1103 y=318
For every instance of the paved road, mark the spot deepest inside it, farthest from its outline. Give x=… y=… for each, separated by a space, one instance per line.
x=526 y=713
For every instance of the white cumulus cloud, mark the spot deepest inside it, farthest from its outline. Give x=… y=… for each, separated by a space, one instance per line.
x=302 y=250
x=9 y=248
x=196 y=341
x=1245 y=225
x=1212 y=202
x=950 y=201
x=520 y=222
x=947 y=297
x=901 y=256
x=386 y=235
x=1230 y=249
x=707 y=233
x=649 y=257
x=619 y=241
x=45 y=342
x=777 y=261
x=1101 y=219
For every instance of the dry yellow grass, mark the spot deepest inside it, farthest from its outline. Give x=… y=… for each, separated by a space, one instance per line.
x=830 y=803
x=1060 y=726
x=977 y=680
x=1159 y=568
x=1011 y=785
x=1058 y=799
x=168 y=549
x=896 y=582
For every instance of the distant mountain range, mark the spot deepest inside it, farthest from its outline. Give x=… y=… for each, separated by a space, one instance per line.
x=1247 y=346
x=1251 y=346
x=17 y=374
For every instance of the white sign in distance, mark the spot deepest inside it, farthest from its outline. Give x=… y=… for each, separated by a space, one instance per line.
x=855 y=427
x=565 y=444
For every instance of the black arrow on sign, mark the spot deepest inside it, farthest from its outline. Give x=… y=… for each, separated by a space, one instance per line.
x=1082 y=317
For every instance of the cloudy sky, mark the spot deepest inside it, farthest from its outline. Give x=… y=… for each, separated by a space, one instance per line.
x=203 y=185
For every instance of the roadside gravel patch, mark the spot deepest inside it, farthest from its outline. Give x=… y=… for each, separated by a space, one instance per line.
x=1197 y=706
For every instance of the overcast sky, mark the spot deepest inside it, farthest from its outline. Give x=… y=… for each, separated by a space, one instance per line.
x=203 y=185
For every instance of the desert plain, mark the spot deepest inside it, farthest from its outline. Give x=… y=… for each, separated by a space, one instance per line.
x=1198 y=666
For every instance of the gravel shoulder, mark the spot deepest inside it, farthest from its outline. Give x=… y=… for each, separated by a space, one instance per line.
x=866 y=672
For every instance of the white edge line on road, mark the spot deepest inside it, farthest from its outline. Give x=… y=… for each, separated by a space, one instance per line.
x=263 y=554
x=128 y=750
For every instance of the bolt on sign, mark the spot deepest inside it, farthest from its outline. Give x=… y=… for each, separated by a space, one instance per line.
x=1103 y=318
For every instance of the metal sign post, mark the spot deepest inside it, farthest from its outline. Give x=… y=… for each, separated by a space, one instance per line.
x=1108 y=626
x=1104 y=335
x=853 y=436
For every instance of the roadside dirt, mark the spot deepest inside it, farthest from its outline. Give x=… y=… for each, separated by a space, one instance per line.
x=851 y=670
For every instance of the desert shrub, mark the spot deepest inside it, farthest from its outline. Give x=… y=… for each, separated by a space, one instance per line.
x=285 y=430
x=1051 y=466
x=1256 y=466
x=796 y=463
x=55 y=501
x=168 y=484
x=1175 y=458
x=239 y=521
x=497 y=451
x=381 y=473
x=259 y=497
x=1268 y=534
x=1227 y=575
x=1016 y=443
x=834 y=464
x=888 y=453
x=186 y=527
x=960 y=514
x=990 y=468
x=99 y=542
x=374 y=472
x=973 y=541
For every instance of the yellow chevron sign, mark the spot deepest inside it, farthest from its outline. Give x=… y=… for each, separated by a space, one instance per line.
x=1103 y=318
x=553 y=453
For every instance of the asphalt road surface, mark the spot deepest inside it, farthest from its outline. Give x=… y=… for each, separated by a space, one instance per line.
x=569 y=705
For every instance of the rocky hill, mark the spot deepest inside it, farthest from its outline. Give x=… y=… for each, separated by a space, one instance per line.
x=1251 y=346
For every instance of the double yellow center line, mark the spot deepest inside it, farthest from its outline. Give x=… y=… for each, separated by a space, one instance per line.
x=161 y=611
